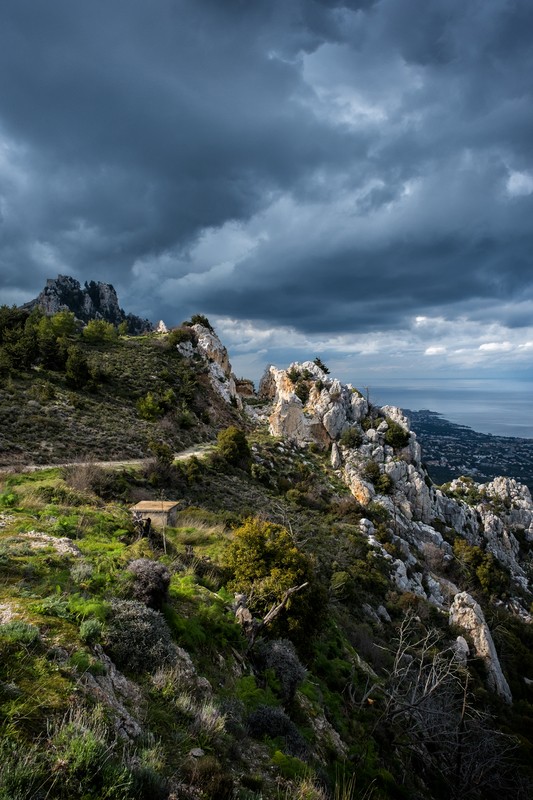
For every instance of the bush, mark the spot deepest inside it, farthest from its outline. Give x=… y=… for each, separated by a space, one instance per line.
x=150 y=582
x=265 y=562
x=273 y=722
x=396 y=436
x=179 y=335
x=351 y=437
x=137 y=637
x=301 y=390
x=90 y=631
x=98 y=330
x=280 y=656
x=20 y=632
x=200 y=319
x=77 y=371
x=233 y=446
x=149 y=407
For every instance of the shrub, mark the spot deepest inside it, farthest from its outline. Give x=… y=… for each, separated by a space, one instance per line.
x=273 y=722
x=150 y=582
x=91 y=631
x=396 y=436
x=20 y=632
x=280 y=656
x=77 y=371
x=265 y=561
x=137 y=637
x=149 y=407
x=179 y=335
x=351 y=437
x=318 y=361
x=200 y=319
x=301 y=391
x=98 y=330
x=233 y=446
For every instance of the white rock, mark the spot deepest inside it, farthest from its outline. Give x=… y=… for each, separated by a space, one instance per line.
x=467 y=614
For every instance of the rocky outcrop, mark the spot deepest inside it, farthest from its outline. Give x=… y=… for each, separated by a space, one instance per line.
x=94 y=301
x=467 y=614
x=208 y=346
x=115 y=692
x=307 y=405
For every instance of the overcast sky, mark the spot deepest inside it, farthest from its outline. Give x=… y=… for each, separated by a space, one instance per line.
x=346 y=178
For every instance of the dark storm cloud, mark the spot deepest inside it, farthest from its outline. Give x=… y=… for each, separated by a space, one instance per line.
x=358 y=163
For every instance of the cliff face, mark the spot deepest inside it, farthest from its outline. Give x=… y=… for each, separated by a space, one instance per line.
x=379 y=459
x=94 y=301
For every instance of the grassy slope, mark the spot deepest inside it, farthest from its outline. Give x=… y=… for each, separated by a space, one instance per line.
x=43 y=420
x=58 y=593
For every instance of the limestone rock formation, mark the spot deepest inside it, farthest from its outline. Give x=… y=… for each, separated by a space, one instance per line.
x=307 y=405
x=467 y=614
x=94 y=301
x=210 y=348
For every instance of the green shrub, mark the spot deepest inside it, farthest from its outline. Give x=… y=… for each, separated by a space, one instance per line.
x=233 y=446
x=20 y=632
x=179 y=335
x=396 y=436
x=301 y=390
x=280 y=656
x=351 y=437
x=274 y=722
x=149 y=407
x=200 y=319
x=98 y=330
x=91 y=631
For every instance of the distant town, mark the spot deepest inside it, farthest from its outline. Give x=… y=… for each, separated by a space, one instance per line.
x=450 y=450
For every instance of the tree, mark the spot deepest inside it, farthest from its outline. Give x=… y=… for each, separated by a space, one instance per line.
x=98 y=330
x=318 y=361
x=432 y=724
x=264 y=559
x=77 y=371
x=233 y=446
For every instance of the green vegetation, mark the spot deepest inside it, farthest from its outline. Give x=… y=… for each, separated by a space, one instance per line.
x=324 y=681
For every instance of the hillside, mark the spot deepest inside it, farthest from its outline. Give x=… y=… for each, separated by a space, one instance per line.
x=320 y=620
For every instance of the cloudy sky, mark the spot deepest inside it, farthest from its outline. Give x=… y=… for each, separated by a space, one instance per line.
x=344 y=178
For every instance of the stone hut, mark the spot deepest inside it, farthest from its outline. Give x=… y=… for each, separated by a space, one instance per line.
x=162 y=513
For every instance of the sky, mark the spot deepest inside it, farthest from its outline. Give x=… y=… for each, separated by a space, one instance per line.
x=343 y=178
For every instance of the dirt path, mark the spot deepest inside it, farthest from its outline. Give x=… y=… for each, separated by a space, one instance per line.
x=198 y=450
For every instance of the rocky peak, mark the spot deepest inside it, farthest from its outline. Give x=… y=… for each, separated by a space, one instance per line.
x=94 y=301
x=209 y=347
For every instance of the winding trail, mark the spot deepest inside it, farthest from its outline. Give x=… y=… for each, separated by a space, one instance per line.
x=198 y=450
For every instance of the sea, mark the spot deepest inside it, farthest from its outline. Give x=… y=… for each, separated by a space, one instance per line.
x=502 y=409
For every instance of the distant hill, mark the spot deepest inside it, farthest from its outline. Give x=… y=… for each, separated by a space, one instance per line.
x=94 y=301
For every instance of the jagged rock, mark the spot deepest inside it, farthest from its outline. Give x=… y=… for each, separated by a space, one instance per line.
x=114 y=690
x=461 y=650
x=336 y=459
x=95 y=301
x=328 y=410
x=467 y=614
x=245 y=387
x=220 y=375
x=383 y=613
